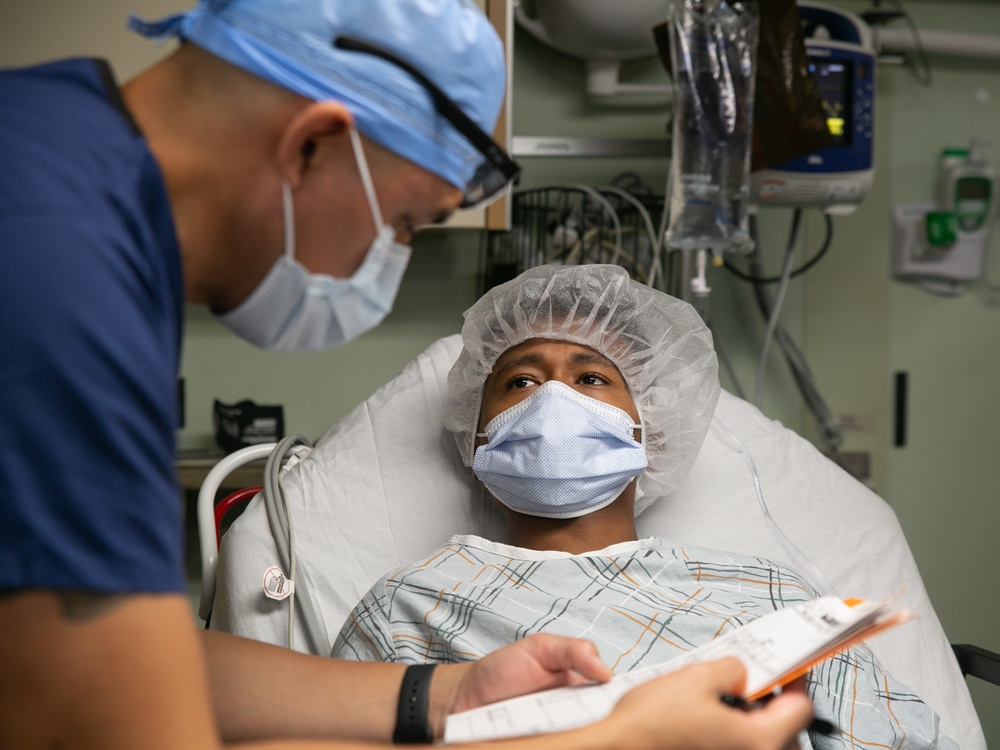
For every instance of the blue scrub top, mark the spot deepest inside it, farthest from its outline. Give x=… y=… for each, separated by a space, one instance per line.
x=91 y=306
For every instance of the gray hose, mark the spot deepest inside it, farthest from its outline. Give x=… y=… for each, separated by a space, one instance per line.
x=280 y=519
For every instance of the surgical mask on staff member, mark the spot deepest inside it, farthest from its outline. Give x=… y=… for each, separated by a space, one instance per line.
x=559 y=454
x=294 y=310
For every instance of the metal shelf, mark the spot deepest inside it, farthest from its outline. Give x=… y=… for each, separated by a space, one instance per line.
x=526 y=146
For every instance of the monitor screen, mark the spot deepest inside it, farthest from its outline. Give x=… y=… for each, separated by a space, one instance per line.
x=834 y=81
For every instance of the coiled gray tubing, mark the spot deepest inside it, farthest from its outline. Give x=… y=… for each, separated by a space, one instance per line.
x=280 y=520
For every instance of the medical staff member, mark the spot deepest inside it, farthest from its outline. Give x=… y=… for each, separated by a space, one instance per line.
x=273 y=169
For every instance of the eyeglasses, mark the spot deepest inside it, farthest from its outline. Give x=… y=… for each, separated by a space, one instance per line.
x=496 y=172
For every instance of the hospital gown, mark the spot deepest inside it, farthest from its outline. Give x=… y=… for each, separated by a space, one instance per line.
x=639 y=602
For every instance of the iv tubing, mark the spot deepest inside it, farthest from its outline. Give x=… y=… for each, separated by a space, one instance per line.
x=808 y=568
x=779 y=300
x=804 y=378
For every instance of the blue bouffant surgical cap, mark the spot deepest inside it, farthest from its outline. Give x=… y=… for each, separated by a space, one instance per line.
x=291 y=43
x=659 y=344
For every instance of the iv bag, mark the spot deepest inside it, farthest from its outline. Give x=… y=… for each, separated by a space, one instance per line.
x=713 y=49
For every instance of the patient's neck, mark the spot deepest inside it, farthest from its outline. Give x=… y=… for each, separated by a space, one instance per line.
x=594 y=531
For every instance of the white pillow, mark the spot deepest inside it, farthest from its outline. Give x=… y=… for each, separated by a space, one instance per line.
x=386 y=485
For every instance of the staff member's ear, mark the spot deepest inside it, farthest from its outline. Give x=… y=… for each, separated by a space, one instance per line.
x=333 y=223
x=299 y=140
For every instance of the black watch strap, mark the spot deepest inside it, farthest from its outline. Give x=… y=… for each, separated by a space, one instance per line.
x=412 y=725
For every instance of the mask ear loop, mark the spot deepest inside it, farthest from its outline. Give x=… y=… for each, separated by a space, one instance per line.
x=289 y=210
x=366 y=179
x=642 y=430
x=475 y=430
x=641 y=427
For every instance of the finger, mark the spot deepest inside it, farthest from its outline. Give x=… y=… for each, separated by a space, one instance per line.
x=786 y=715
x=572 y=656
x=584 y=660
x=798 y=686
x=724 y=676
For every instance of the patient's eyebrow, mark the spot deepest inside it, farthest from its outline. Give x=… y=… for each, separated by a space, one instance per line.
x=529 y=358
x=582 y=357
x=578 y=357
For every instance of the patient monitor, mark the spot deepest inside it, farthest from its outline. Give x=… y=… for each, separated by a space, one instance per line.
x=386 y=485
x=836 y=178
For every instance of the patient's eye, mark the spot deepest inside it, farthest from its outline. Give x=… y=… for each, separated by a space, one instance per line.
x=592 y=378
x=521 y=381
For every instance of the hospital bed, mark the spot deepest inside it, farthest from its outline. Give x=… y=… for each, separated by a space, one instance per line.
x=386 y=485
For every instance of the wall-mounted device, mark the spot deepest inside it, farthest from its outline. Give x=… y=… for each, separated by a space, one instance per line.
x=836 y=178
x=966 y=187
x=940 y=246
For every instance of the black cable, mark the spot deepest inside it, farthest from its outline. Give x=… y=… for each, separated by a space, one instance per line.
x=724 y=361
x=923 y=77
x=876 y=16
x=827 y=241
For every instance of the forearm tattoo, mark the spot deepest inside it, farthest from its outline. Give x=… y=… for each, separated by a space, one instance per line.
x=76 y=605
x=81 y=606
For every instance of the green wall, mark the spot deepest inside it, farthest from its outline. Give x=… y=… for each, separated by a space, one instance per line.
x=862 y=328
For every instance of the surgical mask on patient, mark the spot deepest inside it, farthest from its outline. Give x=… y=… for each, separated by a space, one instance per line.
x=559 y=454
x=293 y=309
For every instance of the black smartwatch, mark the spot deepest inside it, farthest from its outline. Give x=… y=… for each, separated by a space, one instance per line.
x=412 y=725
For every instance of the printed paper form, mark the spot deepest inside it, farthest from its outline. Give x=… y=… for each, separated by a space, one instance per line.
x=774 y=649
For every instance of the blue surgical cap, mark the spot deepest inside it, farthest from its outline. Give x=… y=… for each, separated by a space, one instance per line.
x=290 y=43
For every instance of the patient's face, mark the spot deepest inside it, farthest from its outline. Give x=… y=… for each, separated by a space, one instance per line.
x=523 y=368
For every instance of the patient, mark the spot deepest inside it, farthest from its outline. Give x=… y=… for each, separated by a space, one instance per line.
x=580 y=396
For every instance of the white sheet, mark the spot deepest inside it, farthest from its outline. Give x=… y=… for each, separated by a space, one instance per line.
x=385 y=485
